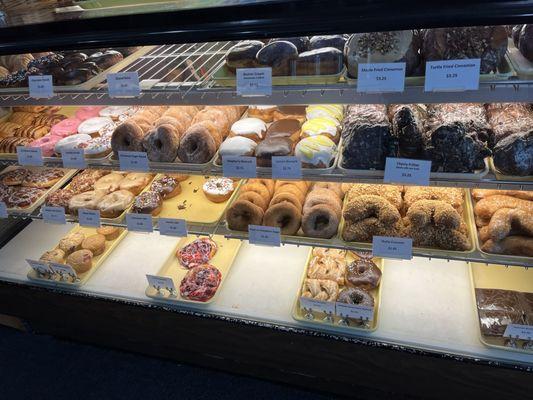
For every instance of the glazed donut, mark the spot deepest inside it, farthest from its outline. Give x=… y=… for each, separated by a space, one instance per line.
x=257 y=188
x=161 y=144
x=334 y=187
x=197 y=146
x=363 y=273
x=108 y=183
x=506 y=220
x=255 y=198
x=243 y=213
x=320 y=221
x=135 y=182
x=323 y=196
x=286 y=196
x=285 y=215
x=87 y=200
x=114 y=204
x=356 y=296
x=127 y=136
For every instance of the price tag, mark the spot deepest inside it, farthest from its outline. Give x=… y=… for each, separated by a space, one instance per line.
x=326 y=307
x=381 y=77
x=123 y=84
x=264 y=235
x=139 y=222
x=452 y=75
x=31 y=156
x=161 y=282
x=41 y=86
x=3 y=210
x=354 y=311
x=404 y=170
x=516 y=331
x=133 y=161
x=88 y=217
x=40 y=267
x=53 y=215
x=173 y=227
x=254 y=81
x=392 y=247
x=64 y=271
x=239 y=167
x=74 y=158
x=286 y=167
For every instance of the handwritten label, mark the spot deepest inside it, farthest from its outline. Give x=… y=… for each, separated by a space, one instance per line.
x=392 y=247
x=381 y=77
x=354 y=311
x=30 y=156
x=264 y=235
x=404 y=170
x=139 y=222
x=239 y=167
x=133 y=161
x=254 y=81
x=40 y=267
x=73 y=158
x=88 y=217
x=286 y=167
x=123 y=84
x=516 y=331
x=172 y=227
x=161 y=282
x=41 y=86
x=326 y=307
x=66 y=272
x=3 y=210
x=53 y=215
x=452 y=75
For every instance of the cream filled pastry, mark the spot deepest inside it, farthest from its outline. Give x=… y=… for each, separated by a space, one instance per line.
x=237 y=146
x=251 y=128
x=335 y=111
x=326 y=126
x=315 y=151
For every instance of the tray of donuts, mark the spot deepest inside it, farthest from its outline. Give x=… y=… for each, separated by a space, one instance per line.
x=298 y=208
x=83 y=249
x=196 y=199
x=110 y=192
x=25 y=189
x=340 y=288
x=312 y=134
x=436 y=219
x=504 y=221
x=177 y=135
x=199 y=266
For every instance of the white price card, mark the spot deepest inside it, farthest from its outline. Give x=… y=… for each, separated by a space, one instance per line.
x=381 y=77
x=452 y=75
x=40 y=267
x=41 y=86
x=133 y=161
x=404 y=170
x=73 y=158
x=524 y=332
x=30 y=156
x=3 y=210
x=284 y=167
x=326 y=307
x=254 y=81
x=354 y=311
x=392 y=247
x=88 y=217
x=64 y=271
x=139 y=222
x=123 y=84
x=172 y=227
x=161 y=282
x=53 y=215
x=264 y=235
x=239 y=167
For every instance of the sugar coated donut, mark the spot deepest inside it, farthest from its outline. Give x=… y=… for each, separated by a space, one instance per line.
x=161 y=144
x=243 y=213
x=285 y=215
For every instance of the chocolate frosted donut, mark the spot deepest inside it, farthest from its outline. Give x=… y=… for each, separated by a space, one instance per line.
x=276 y=146
x=161 y=144
x=320 y=221
x=127 y=137
x=147 y=203
x=363 y=273
x=197 y=146
x=285 y=215
x=356 y=296
x=243 y=213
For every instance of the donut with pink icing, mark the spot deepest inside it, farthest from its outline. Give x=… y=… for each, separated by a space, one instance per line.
x=66 y=127
x=87 y=112
x=47 y=144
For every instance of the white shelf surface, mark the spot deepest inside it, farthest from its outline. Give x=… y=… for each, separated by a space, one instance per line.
x=425 y=304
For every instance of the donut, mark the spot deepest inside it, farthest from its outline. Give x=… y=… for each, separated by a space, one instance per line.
x=24 y=197
x=320 y=221
x=43 y=178
x=87 y=112
x=243 y=213
x=197 y=146
x=167 y=186
x=258 y=188
x=14 y=177
x=200 y=283
x=254 y=198
x=66 y=127
x=114 y=112
x=93 y=126
x=334 y=187
x=94 y=243
x=148 y=203
x=108 y=183
x=47 y=144
x=198 y=252
x=161 y=144
x=286 y=196
x=135 y=182
x=87 y=200
x=284 y=215
x=356 y=296
x=293 y=190
x=263 y=112
x=323 y=196
x=97 y=147
x=302 y=185
x=363 y=273
x=127 y=136
x=251 y=128
x=218 y=190
x=71 y=142
x=269 y=183
x=114 y=204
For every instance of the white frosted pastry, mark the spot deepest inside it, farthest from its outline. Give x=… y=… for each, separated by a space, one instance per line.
x=114 y=112
x=335 y=111
x=251 y=128
x=93 y=126
x=315 y=151
x=237 y=146
x=71 y=142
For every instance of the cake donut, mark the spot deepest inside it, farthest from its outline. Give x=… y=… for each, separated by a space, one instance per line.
x=356 y=296
x=113 y=204
x=161 y=144
x=71 y=142
x=197 y=146
x=198 y=252
x=218 y=190
x=285 y=216
x=251 y=128
x=166 y=186
x=255 y=198
x=320 y=196
x=243 y=213
x=147 y=203
x=259 y=188
x=127 y=136
x=286 y=196
x=93 y=126
x=320 y=221
x=363 y=273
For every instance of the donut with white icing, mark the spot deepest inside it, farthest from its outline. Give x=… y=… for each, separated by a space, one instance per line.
x=251 y=128
x=218 y=190
x=71 y=142
x=93 y=126
x=236 y=146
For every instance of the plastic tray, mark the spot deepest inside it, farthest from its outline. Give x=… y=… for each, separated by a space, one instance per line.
x=97 y=261
x=504 y=177
x=491 y=276
x=319 y=318
x=222 y=260
x=522 y=66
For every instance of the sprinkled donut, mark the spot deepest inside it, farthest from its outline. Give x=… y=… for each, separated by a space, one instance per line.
x=218 y=190
x=93 y=126
x=71 y=142
x=363 y=273
x=356 y=296
x=198 y=252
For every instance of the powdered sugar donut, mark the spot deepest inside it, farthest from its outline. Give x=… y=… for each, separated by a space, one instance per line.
x=66 y=127
x=87 y=112
x=71 y=142
x=93 y=126
x=47 y=144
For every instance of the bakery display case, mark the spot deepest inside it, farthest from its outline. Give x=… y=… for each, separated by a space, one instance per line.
x=294 y=190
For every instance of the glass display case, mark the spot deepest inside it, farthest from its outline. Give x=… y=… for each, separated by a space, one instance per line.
x=365 y=194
